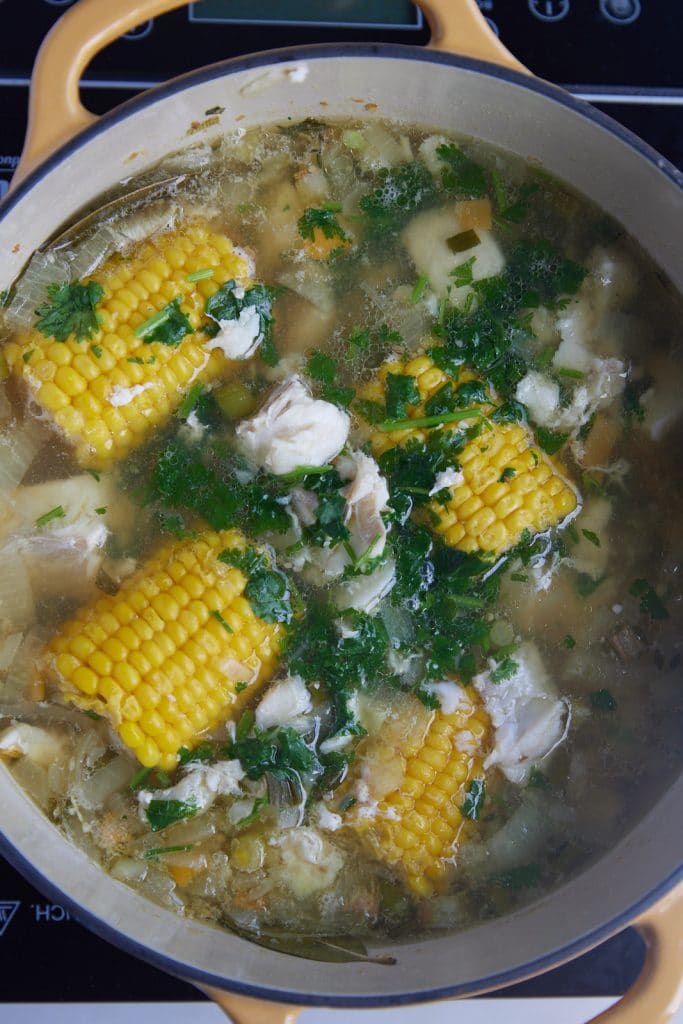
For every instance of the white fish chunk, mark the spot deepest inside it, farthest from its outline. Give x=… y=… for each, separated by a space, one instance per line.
x=527 y=715
x=294 y=429
x=286 y=702
x=200 y=785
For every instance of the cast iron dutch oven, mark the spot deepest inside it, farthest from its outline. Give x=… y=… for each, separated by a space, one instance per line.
x=70 y=158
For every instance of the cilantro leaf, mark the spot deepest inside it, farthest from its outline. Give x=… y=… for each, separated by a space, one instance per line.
x=321 y=367
x=267 y=590
x=650 y=602
x=71 y=309
x=228 y=302
x=460 y=174
x=400 y=192
x=169 y=326
x=324 y=220
x=400 y=392
x=162 y=813
x=602 y=700
x=280 y=751
x=550 y=441
x=474 y=799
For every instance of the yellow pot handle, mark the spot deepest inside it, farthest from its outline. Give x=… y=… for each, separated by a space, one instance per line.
x=56 y=114
x=55 y=111
x=655 y=997
x=458 y=26
x=657 y=994
x=242 y=1010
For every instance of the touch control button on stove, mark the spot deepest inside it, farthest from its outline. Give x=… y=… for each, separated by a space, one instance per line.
x=549 y=10
x=620 y=12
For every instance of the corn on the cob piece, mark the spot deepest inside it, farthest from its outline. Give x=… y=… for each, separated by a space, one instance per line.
x=176 y=651
x=108 y=394
x=418 y=826
x=509 y=485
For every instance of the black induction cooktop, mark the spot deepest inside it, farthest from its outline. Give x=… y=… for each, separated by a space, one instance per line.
x=622 y=55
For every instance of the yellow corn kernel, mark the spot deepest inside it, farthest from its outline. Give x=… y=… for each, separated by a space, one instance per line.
x=161 y=693
x=508 y=485
x=76 y=382
x=418 y=826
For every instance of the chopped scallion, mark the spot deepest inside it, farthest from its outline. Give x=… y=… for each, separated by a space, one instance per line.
x=55 y=513
x=389 y=426
x=201 y=275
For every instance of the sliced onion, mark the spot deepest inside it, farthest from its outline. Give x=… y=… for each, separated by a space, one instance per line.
x=18 y=448
x=16 y=597
x=8 y=649
x=24 y=664
x=129 y=869
x=93 y=792
x=43 y=269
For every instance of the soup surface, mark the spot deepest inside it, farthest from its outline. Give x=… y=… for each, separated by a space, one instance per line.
x=339 y=544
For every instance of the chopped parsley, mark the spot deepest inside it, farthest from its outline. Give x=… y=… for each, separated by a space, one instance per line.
x=537 y=780
x=225 y=304
x=162 y=813
x=504 y=670
x=419 y=289
x=591 y=537
x=71 y=310
x=463 y=274
x=474 y=799
x=323 y=220
x=508 y=473
x=460 y=174
x=400 y=392
x=587 y=584
x=202 y=752
x=280 y=751
x=602 y=700
x=255 y=813
x=321 y=367
x=399 y=192
x=26 y=356
x=650 y=602
x=569 y=641
x=268 y=589
x=550 y=440
x=168 y=327
x=526 y=876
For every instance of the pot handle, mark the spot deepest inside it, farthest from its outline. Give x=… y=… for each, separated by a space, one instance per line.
x=657 y=994
x=56 y=114
x=55 y=111
x=458 y=26
x=242 y=1010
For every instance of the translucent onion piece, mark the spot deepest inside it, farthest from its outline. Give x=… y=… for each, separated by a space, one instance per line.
x=93 y=792
x=5 y=405
x=43 y=269
x=18 y=449
x=8 y=649
x=16 y=597
x=23 y=666
x=127 y=869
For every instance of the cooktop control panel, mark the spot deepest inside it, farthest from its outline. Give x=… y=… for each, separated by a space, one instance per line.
x=590 y=43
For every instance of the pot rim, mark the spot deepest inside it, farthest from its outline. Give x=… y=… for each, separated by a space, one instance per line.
x=122 y=112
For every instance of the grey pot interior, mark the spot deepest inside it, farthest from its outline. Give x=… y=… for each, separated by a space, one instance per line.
x=599 y=159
